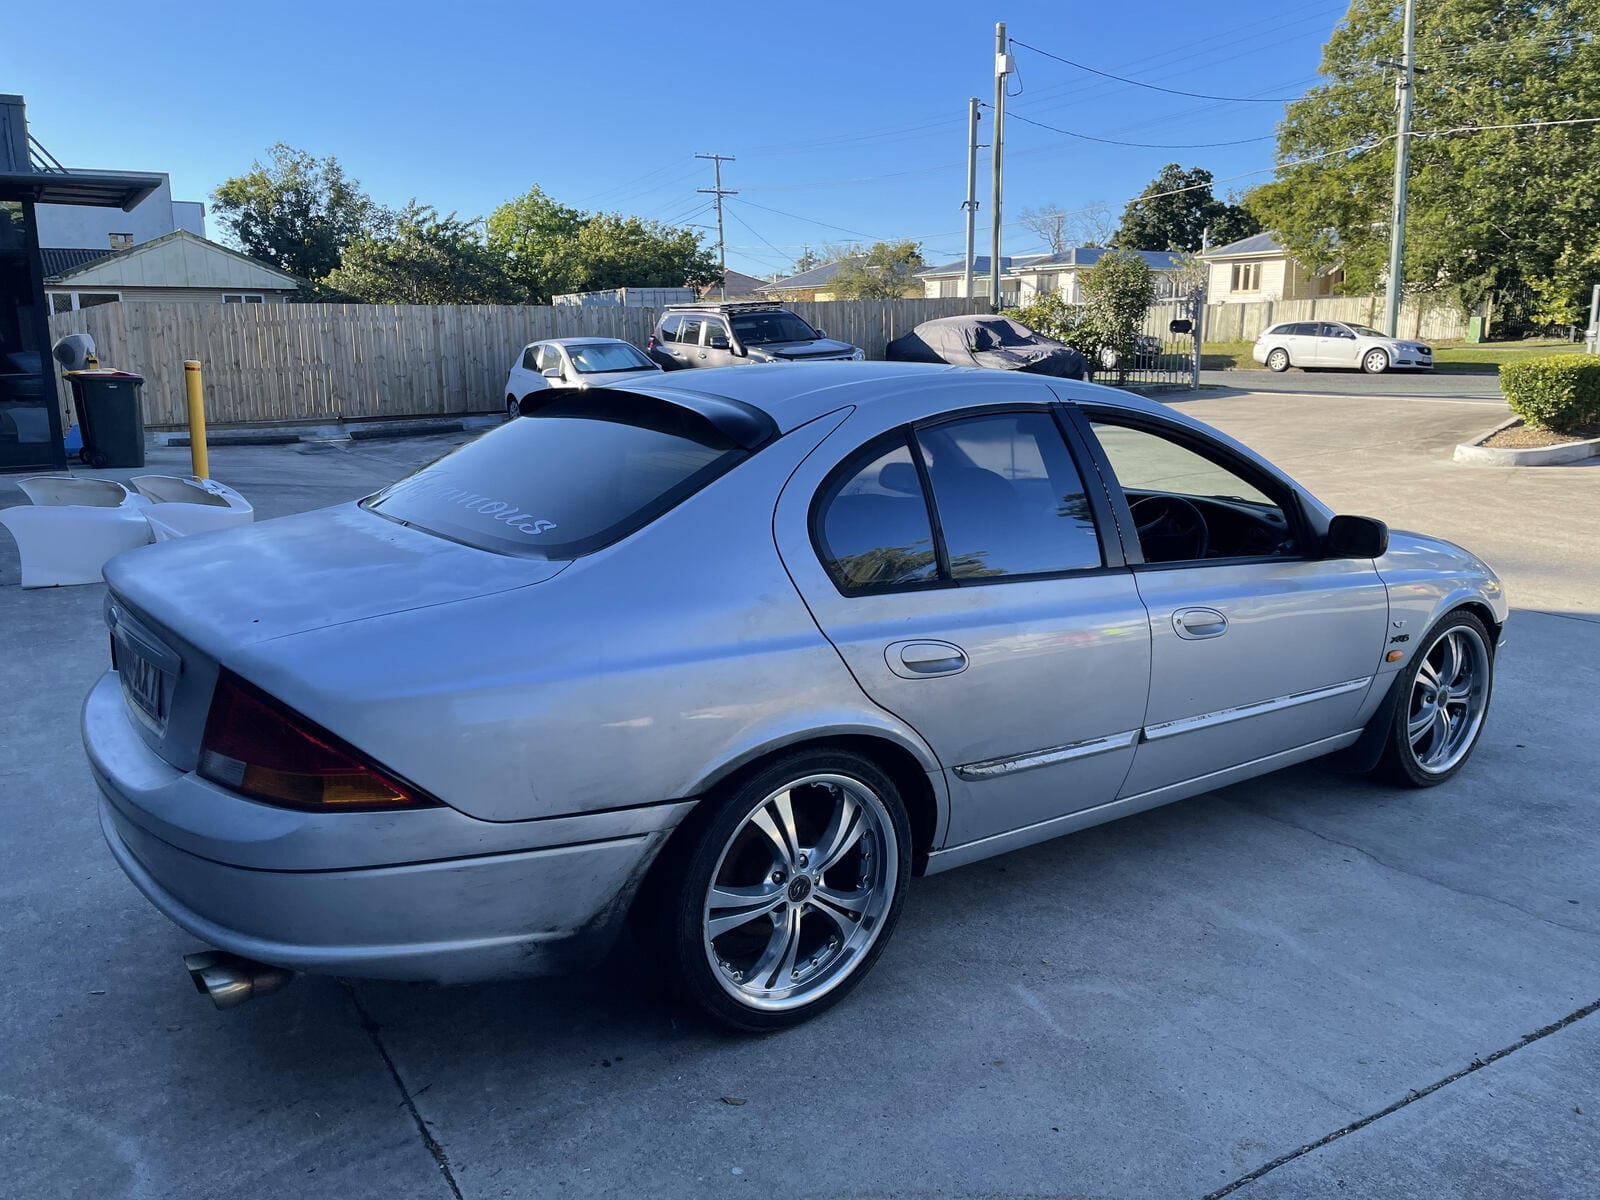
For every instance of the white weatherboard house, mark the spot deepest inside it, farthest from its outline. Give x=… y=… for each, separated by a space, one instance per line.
x=1024 y=277
x=176 y=266
x=1258 y=268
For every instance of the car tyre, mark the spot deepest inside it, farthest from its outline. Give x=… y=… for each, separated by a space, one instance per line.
x=784 y=891
x=1375 y=362
x=1278 y=360
x=513 y=409
x=1444 y=695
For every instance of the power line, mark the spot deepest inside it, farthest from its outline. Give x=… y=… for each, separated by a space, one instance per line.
x=808 y=220
x=753 y=230
x=1153 y=86
x=1089 y=137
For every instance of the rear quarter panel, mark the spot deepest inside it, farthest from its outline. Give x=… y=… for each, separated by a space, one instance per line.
x=655 y=667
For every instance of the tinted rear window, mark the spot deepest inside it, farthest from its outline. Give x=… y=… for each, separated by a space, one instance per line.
x=579 y=474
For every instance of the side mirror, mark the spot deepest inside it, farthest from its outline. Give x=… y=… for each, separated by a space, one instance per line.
x=717 y=342
x=552 y=373
x=1357 y=537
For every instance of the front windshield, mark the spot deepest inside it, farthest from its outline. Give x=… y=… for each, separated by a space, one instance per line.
x=1367 y=331
x=765 y=328
x=592 y=357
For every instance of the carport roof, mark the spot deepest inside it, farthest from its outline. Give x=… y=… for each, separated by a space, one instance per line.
x=97 y=189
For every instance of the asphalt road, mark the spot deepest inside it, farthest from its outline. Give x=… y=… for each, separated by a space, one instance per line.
x=1480 y=386
x=1302 y=986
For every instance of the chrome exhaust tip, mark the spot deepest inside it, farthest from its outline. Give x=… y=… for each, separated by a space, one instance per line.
x=230 y=980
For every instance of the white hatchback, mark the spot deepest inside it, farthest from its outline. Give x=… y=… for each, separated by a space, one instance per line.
x=1338 y=344
x=572 y=363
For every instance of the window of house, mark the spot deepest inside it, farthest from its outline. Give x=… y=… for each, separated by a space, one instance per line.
x=242 y=298
x=61 y=302
x=1246 y=277
x=121 y=241
x=1048 y=281
x=949 y=289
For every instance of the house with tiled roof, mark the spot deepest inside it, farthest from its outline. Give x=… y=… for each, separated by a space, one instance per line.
x=1259 y=268
x=175 y=266
x=1024 y=277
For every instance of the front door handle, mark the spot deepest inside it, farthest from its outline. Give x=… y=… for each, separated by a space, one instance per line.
x=921 y=659
x=1197 y=624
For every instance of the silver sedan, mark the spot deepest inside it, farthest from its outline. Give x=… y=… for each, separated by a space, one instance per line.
x=733 y=658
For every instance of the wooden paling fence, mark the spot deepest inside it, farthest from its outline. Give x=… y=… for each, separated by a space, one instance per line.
x=269 y=363
x=1242 y=322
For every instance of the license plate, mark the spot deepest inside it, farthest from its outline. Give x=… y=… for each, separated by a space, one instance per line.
x=144 y=683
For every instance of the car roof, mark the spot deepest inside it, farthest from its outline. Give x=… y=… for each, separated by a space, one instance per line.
x=794 y=393
x=577 y=341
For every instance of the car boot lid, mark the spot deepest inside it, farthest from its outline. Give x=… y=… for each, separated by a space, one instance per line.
x=309 y=571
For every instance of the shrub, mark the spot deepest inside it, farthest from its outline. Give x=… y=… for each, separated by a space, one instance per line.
x=1556 y=391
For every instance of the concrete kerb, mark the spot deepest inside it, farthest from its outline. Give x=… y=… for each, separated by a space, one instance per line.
x=339 y=431
x=1477 y=454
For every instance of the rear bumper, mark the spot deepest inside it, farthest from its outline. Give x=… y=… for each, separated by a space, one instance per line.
x=536 y=897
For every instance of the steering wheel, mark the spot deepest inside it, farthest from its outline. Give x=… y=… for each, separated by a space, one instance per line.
x=1171 y=529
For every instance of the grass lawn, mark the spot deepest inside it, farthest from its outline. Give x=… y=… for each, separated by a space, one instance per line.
x=1449 y=358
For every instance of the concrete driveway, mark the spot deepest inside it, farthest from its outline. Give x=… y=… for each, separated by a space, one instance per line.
x=1303 y=986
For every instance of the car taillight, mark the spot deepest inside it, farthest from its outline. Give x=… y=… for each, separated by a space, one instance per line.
x=651 y=344
x=257 y=746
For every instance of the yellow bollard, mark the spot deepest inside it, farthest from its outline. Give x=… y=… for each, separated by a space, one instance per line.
x=197 y=419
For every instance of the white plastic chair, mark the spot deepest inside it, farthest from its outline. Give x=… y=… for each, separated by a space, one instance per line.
x=70 y=527
x=180 y=505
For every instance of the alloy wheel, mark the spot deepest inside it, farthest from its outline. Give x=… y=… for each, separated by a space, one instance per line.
x=1449 y=696
x=800 y=892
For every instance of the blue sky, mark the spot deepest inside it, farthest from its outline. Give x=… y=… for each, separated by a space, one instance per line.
x=848 y=121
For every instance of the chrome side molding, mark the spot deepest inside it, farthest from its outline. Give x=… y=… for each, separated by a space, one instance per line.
x=991 y=768
x=1222 y=716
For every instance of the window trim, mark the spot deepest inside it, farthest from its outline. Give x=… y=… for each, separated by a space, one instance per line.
x=1275 y=488
x=245 y=297
x=1107 y=533
x=73 y=298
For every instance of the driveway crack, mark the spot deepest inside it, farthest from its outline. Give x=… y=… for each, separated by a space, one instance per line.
x=1414 y=874
x=1410 y=1098
x=429 y=1142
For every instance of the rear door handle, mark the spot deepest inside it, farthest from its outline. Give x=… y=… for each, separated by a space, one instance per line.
x=921 y=659
x=1197 y=624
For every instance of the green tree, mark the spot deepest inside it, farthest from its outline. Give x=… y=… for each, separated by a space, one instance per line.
x=612 y=251
x=886 y=271
x=1176 y=209
x=550 y=248
x=296 y=212
x=427 y=259
x=1118 y=290
x=534 y=235
x=1502 y=211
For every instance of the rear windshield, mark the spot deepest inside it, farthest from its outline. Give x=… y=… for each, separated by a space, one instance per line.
x=579 y=474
